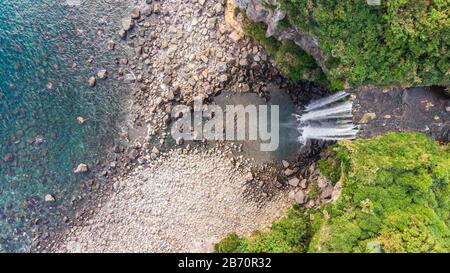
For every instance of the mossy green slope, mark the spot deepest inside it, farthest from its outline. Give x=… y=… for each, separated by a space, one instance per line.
x=395 y=195
x=399 y=42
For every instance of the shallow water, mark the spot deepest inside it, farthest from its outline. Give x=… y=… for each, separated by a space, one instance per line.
x=288 y=134
x=48 y=50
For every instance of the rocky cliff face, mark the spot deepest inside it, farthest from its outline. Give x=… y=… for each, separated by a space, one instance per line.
x=266 y=11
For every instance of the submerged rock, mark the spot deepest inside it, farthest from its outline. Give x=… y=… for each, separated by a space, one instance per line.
x=8 y=157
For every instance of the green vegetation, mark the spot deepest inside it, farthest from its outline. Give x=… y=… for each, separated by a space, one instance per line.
x=290 y=234
x=398 y=43
x=290 y=59
x=395 y=198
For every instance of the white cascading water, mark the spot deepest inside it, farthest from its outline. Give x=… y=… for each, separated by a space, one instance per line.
x=329 y=118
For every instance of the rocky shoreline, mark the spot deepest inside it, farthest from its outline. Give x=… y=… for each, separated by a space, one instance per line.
x=173 y=61
x=187 y=197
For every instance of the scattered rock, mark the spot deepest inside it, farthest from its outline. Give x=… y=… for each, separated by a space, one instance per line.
x=326 y=193
x=102 y=74
x=285 y=163
x=235 y=36
x=49 y=198
x=304 y=184
x=81 y=120
x=300 y=197
x=223 y=78
x=367 y=117
x=82 y=168
x=155 y=150
x=249 y=177
x=127 y=23
x=92 y=81
x=133 y=154
x=289 y=172
x=136 y=13
x=294 y=181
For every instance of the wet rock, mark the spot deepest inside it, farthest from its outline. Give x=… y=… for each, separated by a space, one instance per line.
x=102 y=74
x=82 y=168
x=49 y=198
x=81 y=120
x=92 y=81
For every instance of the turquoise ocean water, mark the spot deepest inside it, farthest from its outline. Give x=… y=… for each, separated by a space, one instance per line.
x=48 y=50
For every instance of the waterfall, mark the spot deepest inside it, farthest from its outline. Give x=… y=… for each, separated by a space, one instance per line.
x=328 y=118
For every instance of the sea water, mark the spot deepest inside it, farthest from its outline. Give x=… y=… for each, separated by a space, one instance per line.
x=48 y=50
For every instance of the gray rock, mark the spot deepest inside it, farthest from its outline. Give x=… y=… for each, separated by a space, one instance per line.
x=304 y=184
x=127 y=23
x=249 y=177
x=92 y=81
x=136 y=13
x=223 y=78
x=49 y=198
x=82 y=168
x=294 y=181
x=155 y=150
x=81 y=120
x=235 y=36
x=300 y=197
x=133 y=154
x=326 y=193
x=285 y=163
x=102 y=74
x=289 y=172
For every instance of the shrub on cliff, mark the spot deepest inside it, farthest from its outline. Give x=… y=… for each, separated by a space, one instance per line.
x=399 y=42
x=290 y=234
x=395 y=198
x=289 y=58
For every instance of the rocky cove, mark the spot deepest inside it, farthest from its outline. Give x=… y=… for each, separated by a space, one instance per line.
x=148 y=193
